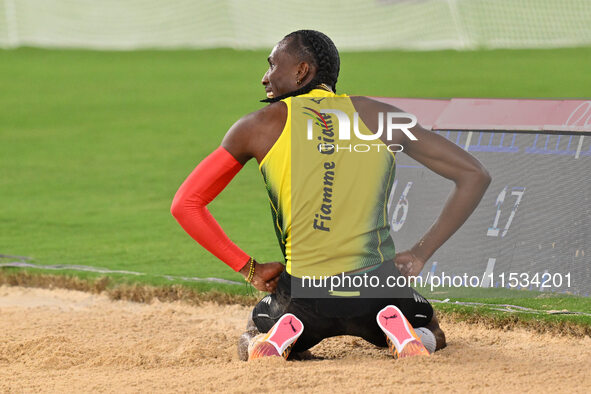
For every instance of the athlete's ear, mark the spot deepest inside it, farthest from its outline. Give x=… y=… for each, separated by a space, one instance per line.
x=303 y=70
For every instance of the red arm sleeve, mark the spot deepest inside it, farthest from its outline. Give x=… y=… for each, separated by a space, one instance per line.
x=206 y=181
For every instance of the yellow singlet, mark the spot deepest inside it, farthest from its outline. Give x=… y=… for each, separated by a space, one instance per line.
x=328 y=195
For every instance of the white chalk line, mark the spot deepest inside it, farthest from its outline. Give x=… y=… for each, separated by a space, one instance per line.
x=86 y=268
x=511 y=308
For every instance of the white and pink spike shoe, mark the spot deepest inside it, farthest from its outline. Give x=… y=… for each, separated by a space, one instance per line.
x=402 y=339
x=279 y=340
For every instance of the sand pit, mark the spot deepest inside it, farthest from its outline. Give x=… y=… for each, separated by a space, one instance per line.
x=67 y=341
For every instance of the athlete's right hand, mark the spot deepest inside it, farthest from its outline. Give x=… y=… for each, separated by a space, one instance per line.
x=408 y=263
x=266 y=276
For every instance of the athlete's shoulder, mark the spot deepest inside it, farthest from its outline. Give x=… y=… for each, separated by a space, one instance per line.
x=264 y=117
x=244 y=137
x=368 y=104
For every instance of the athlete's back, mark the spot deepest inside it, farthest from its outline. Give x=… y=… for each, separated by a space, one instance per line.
x=328 y=194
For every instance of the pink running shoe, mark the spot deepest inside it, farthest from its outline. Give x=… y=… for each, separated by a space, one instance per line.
x=279 y=340
x=401 y=337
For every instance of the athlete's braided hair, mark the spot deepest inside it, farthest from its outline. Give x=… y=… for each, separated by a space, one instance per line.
x=317 y=49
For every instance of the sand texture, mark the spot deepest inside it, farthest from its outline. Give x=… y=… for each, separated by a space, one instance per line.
x=69 y=341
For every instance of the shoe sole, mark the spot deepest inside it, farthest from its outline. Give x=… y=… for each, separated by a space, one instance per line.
x=401 y=337
x=280 y=339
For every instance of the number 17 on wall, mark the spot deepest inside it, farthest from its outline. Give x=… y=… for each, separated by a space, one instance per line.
x=516 y=192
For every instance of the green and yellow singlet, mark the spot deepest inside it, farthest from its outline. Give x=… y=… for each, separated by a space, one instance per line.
x=328 y=190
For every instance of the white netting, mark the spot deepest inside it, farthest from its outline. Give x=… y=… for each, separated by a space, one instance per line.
x=353 y=24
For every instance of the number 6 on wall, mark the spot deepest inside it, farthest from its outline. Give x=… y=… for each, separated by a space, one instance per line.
x=396 y=223
x=515 y=191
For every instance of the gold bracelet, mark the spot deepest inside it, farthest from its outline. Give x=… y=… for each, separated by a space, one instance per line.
x=252 y=263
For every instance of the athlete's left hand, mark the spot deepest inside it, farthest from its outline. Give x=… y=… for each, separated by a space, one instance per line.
x=408 y=263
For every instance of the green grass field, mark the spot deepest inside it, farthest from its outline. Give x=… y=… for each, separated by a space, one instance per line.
x=93 y=145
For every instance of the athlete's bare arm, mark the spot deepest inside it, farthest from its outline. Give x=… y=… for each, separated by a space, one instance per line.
x=471 y=181
x=252 y=136
x=446 y=159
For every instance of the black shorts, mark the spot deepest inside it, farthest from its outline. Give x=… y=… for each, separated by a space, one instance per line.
x=328 y=317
